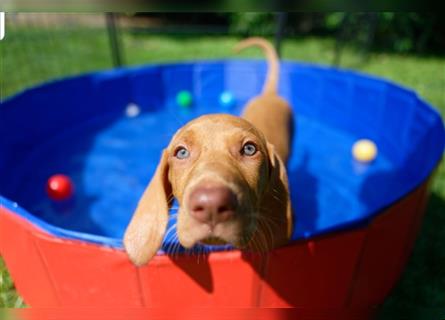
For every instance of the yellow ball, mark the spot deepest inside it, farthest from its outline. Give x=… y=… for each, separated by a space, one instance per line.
x=364 y=150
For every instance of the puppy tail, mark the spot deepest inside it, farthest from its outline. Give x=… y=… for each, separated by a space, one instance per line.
x=270 y=86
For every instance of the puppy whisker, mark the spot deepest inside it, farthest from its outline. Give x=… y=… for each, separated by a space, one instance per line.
x=174 y=246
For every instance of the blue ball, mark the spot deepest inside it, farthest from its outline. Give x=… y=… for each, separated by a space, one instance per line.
x=226 y=100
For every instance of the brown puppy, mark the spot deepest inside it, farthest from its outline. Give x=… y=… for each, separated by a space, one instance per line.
x=230 y=184
x=268 y=112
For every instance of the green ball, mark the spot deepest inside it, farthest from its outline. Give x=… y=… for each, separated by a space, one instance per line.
x=184 y=98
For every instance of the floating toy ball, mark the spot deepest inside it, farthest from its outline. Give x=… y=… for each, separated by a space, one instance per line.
x=132 y=110
x=59 y=187
x=184 y=98
x=364 y=150
x=226 y=100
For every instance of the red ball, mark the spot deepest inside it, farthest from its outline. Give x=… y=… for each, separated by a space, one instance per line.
x=59 y=187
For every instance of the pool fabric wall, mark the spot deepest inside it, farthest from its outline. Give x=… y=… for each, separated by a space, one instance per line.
x=355 y=223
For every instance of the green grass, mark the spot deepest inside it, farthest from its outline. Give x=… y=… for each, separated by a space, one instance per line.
x=31 y=56
x=8 y=294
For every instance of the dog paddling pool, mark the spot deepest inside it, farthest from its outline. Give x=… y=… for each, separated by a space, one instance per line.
x=355 y=223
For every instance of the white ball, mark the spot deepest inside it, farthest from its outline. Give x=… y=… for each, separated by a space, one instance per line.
x=132 y=110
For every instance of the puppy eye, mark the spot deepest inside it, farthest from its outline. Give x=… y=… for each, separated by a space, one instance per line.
x=182 y=153
x=249 y=149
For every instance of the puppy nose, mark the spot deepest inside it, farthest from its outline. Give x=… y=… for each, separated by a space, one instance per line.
x=212 y=204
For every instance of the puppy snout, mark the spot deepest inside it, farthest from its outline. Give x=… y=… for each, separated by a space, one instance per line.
x=212 y=204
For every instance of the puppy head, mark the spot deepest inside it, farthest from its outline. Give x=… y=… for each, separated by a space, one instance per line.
x=227 y=180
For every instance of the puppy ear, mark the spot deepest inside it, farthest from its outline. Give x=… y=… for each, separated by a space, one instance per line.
x=146 y=230
x=277 y=197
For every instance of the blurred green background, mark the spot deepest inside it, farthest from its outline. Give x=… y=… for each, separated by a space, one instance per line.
x=408 y=48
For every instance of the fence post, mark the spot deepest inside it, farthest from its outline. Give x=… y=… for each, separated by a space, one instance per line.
x=113 y=37
x=281 y=23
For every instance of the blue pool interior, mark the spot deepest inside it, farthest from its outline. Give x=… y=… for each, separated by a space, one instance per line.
x=79 y=126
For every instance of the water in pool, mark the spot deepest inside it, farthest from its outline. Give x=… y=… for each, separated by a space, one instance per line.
x=111 y=160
